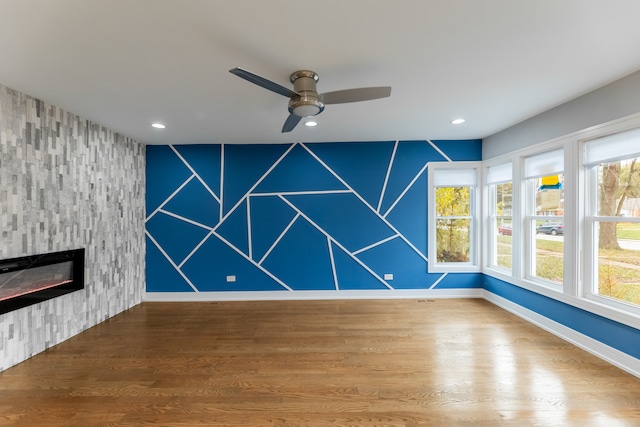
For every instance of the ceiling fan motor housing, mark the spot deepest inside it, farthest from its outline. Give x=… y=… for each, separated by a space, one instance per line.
x=308 y=102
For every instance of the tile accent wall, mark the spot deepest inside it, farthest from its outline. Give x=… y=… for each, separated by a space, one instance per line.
x=68 y=183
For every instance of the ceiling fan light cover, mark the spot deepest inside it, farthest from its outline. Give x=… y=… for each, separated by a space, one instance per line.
x=306 y=110
x=305 y=106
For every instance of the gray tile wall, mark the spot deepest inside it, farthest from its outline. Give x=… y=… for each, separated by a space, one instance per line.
x=67 y=183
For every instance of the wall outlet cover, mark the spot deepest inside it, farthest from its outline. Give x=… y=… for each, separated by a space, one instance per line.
x=388 y=277
x=231 y=278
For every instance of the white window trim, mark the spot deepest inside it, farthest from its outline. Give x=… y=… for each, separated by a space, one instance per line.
x=590 y=218
x=475 y=263
x=521 y=237
x=505 y=172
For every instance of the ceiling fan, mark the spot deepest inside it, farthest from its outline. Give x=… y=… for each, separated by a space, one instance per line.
x=304 y=99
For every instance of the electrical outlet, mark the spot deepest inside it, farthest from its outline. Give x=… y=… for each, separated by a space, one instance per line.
x=231 y=278
x=388 y=277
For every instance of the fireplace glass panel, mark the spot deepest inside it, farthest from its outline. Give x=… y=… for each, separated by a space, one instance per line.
x=32 y=279
x=23 y=282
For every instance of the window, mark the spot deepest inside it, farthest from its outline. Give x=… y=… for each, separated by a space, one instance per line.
x=453 y=218
x=500 y=231
x=612 y=167
x=573 y=204
x=544 y=218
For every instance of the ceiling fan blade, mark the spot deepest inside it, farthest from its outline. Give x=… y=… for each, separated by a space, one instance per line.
x=290 y=123
x=356 y=95
x=261 y=81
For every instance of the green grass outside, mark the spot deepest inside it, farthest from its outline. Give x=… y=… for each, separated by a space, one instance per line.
x=627 y=230
x=550 y=245
x=618 y=269
x=504 y=252
x=619 y=282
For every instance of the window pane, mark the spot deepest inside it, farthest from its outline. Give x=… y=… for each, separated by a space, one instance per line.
x=549 y=195
x=453 y=201
x=503 y=244
x=619 y=188
x=504 y=198
x=453 y=240
x=503 y=226
x=618 y=256
x=618 y=243
x=547 y=262
x=549 y=252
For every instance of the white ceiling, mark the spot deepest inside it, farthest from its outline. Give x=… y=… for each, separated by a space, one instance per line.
x=127 y=63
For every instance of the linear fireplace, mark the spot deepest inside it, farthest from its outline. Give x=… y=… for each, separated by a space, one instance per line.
x=32 y=279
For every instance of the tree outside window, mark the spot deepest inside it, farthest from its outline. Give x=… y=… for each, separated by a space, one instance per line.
x=453 y=216
x=613 y=170
x=618 y=250
x=453 y=224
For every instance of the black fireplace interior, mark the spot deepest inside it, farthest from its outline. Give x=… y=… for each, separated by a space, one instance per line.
x=32 y=279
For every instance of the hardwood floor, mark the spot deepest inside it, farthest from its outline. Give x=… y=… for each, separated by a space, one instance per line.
x=460 y=362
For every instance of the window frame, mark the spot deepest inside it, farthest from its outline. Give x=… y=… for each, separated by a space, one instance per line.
x=491 y=225
x=475 y=195
x=530 y=218
x=591 y=217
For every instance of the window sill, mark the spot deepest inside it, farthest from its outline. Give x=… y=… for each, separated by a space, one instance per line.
x=454 y=268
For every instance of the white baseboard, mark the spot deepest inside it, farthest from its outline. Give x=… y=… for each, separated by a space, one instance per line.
x=311 y=295
x=615 y=357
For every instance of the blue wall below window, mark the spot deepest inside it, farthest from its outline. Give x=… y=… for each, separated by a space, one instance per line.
x=607 y=331
x=292 y=217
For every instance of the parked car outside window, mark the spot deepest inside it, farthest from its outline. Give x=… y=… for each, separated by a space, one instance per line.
x=505 y=230
x=552 y=228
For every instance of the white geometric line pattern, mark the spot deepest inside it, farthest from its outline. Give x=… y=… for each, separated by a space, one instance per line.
x=265 y=227
x=249 y=240
x=251 y=261
x=382 y=217
x=434 y=284
x=337 y=243
x=373 y=245
x=168 y=199
x=221 y=182
x=393 y=205
x=169 y=259
x=185 y=219
x=194 y=250
x=333 y=264
x=275 y=243
x=243 y=198
x=216 y=198
x=447 y=158
x=386 y=177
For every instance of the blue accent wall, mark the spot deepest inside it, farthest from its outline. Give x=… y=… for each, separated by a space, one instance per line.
x=292 y=217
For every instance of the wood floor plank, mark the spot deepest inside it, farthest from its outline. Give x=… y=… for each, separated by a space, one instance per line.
x=317 y=363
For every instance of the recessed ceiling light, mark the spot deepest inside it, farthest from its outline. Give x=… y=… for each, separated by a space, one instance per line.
x=457 y=121
x=310 y=123
x=158 y=125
